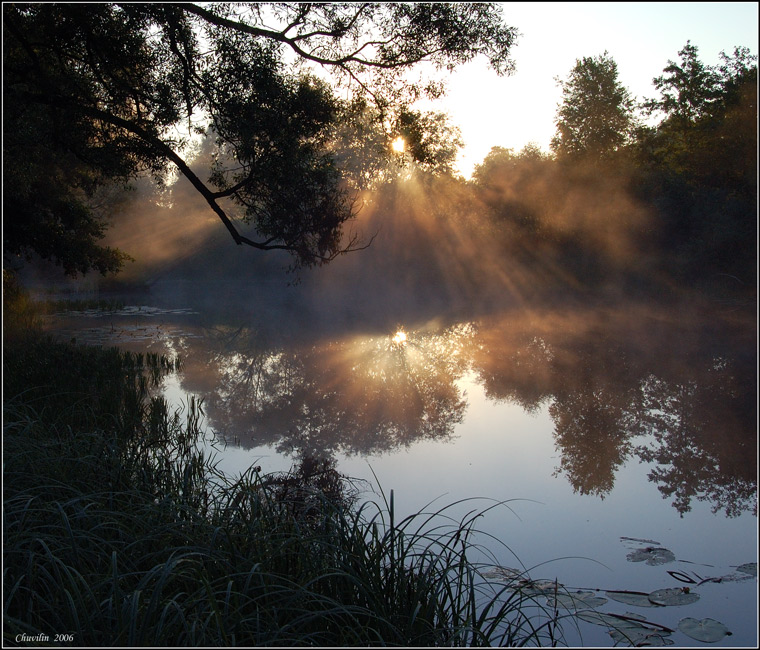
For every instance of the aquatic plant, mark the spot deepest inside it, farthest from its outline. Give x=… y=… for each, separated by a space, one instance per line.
x=633 y=629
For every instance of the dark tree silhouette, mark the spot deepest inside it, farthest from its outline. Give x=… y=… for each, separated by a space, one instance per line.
x=98 y=91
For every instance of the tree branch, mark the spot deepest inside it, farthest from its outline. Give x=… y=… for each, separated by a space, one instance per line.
x=183 y=167
x=238 y=26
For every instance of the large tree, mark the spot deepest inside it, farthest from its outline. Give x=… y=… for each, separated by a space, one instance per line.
x=687 y=89
x=708 y=118
x=96 y=93
x=595 y=118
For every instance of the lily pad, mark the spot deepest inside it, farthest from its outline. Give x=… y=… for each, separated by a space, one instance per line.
x=707 y=630
x=652 y=555
x=540 y=587
x=637 y=598
x=609 y=620
x=641 y=637
x=504 y=574
x=673 y=596
x=575 y=600
x=628 y=629
x=598 y=618
x=749 y=567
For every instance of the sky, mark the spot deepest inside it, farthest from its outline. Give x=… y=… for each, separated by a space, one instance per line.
x=640 y=36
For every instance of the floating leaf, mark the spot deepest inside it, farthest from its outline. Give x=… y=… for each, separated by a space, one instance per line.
x=653 y=556
x=639 y=618
x=641 y=637
x=598 y=618
x=673 y=596
x=636 y=539
x=575 y=600
x=503 y=574
x=628 y=629
x=637 y=598
x=707 y=630
x=682 y=577
x=610 y=620
x=540 y=587
x=749 y=567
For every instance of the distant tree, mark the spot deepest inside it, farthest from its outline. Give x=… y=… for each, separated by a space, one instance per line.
x=701 y=166
x=429 y=139
x=361 y=144
x=532 y=152
x=506 y=183
x=99 y=91
x=696 y=102
x=687 y=90
x=501 y=160
x=595 y=118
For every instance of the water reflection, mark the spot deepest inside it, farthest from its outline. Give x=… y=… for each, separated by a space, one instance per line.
x=674 y=389
x=676 y=393
x=702 y=444
x=363 y=395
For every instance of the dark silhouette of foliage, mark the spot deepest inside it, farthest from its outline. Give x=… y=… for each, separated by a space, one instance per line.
x=687 y=91
x=100 y=89
x=699 y=167
x=595 y=118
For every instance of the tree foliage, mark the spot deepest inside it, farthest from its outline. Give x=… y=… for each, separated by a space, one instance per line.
x=687 y=90
x=707 y=116
x=105 y=88
x=595 y=118
x=700 y=164
x=675 y=201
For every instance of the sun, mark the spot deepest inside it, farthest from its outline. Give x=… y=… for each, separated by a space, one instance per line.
x=398 y=145
x=399 y=338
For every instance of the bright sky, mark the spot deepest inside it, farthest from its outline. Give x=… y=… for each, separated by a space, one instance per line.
x=640 y=36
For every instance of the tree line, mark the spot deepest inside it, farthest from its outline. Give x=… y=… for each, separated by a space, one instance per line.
x=299 y=103
x=688 y=156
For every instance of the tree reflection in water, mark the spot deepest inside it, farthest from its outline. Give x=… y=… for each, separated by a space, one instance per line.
x=672 y=389
x=365 y=395
x=676 y=392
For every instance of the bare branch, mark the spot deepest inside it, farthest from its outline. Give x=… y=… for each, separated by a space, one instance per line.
x=292 y=42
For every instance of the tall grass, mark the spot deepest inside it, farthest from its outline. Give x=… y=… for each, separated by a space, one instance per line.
x=119 y=530
x=20 y=314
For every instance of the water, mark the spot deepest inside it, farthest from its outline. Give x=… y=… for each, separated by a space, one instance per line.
x=604 y=430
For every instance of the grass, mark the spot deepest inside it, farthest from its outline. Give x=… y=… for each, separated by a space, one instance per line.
x=119 y=530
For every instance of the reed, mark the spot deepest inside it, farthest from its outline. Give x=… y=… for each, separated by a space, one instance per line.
x=120 y=530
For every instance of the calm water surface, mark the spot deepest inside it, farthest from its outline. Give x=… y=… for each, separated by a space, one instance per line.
x=607 y=431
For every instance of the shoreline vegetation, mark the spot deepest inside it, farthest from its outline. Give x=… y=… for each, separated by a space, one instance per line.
x=119 y=530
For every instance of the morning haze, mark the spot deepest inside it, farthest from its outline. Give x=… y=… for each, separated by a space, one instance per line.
x=276 y=373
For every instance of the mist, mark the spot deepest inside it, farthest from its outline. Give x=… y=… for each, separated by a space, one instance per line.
x=441 y=249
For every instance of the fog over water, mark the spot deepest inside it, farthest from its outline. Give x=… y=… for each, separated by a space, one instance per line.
x=434 y=253
x=623 y=409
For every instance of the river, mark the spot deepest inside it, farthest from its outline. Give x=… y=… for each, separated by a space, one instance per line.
x=621 y=437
